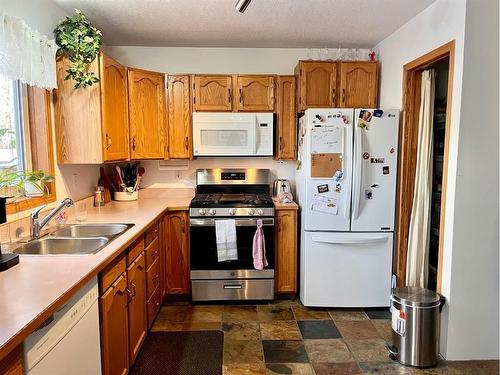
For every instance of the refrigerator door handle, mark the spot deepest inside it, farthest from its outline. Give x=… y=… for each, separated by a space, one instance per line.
x=358 y=164
x=347 y=241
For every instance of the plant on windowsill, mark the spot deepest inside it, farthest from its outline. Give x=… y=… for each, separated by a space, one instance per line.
x=80 y=42
x=24 y=183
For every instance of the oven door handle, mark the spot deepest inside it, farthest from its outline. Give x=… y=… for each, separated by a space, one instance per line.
x=239 y=222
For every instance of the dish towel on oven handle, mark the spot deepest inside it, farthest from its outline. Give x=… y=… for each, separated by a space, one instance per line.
x=225 y=234
x=259 y=248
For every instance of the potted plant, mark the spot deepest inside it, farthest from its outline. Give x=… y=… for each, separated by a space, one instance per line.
x=24 y=183
x=80 y=42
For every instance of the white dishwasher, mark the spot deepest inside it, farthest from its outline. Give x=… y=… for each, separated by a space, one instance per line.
x=68 y=342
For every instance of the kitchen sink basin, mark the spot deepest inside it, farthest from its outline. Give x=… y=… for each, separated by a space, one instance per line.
x=62 y=246
x=91 y=230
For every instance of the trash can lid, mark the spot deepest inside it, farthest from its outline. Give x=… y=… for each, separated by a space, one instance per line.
x=412 y=296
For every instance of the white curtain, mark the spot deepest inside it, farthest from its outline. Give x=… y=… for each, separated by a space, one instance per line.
x=419 y=234
x=25 y=54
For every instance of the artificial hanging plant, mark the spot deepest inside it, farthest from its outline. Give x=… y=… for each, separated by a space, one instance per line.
x=80 y=42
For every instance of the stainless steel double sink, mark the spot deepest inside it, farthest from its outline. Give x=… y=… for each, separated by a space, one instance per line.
x=77 y=239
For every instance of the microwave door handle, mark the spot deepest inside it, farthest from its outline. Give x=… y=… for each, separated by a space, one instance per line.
x=254 y=141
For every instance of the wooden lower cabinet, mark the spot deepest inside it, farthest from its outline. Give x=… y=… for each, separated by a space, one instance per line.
x=12 y=363
x=286 y=251
x=136 y=274
x=114 y=327
x=176 y=237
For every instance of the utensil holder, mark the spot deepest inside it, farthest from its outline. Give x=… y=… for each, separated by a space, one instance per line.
x=126 y=196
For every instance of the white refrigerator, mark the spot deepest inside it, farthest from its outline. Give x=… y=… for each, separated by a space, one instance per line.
x=346 y=186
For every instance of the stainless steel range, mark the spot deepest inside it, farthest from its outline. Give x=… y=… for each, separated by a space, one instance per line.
x=242 y=195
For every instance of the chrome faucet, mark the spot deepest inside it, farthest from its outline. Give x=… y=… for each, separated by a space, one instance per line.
x=37 y=225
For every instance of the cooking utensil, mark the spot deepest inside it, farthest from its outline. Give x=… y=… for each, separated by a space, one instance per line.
x=140 y=173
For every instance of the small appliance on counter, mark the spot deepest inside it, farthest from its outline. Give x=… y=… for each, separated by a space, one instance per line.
x=281 y=186
x=6 y=260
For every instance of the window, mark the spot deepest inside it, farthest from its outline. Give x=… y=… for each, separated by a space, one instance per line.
x=25 y=137
x=12 y=133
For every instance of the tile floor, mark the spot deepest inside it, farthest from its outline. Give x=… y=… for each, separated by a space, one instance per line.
x=284 y=337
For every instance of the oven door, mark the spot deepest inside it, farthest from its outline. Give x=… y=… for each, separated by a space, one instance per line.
x=204 y=262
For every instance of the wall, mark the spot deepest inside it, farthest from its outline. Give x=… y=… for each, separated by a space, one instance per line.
x=44 y=15
x=470 y=268
x=211 y=60
x=474 y=285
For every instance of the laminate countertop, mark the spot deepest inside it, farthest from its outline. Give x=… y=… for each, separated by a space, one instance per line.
x=32 y=290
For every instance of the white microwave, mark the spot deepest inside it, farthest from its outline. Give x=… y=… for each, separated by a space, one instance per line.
x=233 y=134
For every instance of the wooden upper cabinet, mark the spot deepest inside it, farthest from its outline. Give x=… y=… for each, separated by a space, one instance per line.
x=136 y=274
x=212 y=93
x=179 y=117
x=317 y=84
x=358 y=84
x=146 y=114
x=255 y=93
x=286 y=127
x=114 y=99
x=114 y=328
x=176 y=237
x=92 y=122
x=286 y=251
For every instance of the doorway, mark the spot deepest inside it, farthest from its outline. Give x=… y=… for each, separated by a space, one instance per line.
x=441 y=60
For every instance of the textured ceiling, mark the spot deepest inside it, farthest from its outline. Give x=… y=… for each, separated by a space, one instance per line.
x=266 y=23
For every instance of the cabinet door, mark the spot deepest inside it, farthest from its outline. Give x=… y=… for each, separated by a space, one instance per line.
x=136 y=274
x=114 y=328
x=114 y=103
x=286 y=254
x=317 y=84
x=177 y=254
x=286 y=130
x=147 y=114
x=255 y=93
x=358 y=84
x=212 y=93
x=179 y=118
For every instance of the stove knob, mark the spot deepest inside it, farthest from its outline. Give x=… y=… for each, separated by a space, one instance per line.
x=251 y=212
x=232 y=211
x=260 y=212
x=202 y=211
x=211 y=212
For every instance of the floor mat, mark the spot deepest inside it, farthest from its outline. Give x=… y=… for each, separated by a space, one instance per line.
x=181 y=353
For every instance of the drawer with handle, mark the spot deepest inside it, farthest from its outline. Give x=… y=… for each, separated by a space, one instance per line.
x=154 y=304
x=153 y=278
x=213 y=290
x=152 y=252
x=151 y=234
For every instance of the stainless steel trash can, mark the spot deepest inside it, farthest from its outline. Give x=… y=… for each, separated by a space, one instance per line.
x=415 y=326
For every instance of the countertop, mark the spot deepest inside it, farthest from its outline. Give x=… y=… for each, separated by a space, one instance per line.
x=31 y=291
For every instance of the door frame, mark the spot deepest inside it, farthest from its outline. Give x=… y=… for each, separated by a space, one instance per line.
x=408 y=137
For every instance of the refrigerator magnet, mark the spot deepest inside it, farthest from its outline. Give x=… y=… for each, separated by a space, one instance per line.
x=392 y=150
x=338 y=188
x=377 y=160
x=323 y=188
x=385 y=169
x=375 y=186
x=366 y=155
x=378 y=113
x=368 y=194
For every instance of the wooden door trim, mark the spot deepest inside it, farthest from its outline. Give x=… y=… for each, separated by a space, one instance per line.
x=412 y=73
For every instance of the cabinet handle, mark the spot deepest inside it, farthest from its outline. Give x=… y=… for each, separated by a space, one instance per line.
x=187 y=143
x=333 y=96
x=133 y=143
x=229 y=95
x=343 y=96
x=281 y=143
x=241 y=96
x=131 y=292
x=279 y=225
x=108 y=141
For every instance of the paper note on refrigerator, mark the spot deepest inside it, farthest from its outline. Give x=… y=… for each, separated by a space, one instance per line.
x=324 y=204
x=327 y=140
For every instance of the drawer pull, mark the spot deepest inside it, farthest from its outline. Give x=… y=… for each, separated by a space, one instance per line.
x=233 y=286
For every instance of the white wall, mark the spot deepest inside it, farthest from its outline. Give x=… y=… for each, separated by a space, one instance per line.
x=473 y=324
x=44 y=15
x=470 y=266
x=211 y=60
